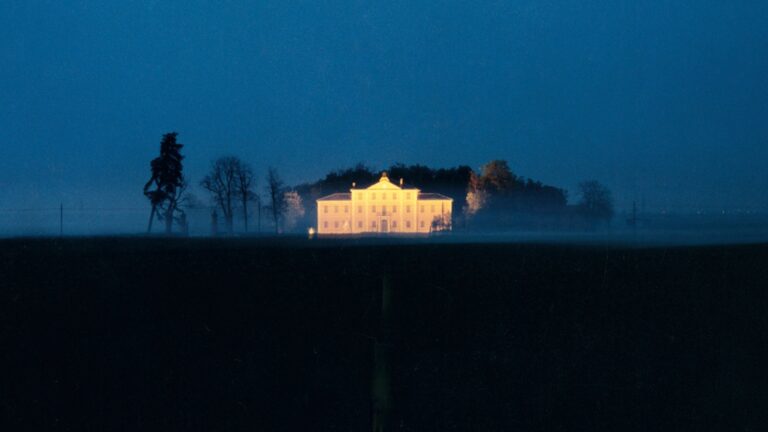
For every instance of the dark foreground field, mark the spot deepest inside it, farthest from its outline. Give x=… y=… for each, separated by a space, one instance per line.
x=201 y=335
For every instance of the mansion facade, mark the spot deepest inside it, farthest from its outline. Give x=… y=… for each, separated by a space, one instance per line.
x=383 y=207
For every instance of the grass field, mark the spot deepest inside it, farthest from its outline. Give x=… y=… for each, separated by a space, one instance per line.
x=258 y=334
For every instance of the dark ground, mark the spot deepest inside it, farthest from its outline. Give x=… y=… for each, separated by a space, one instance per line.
x=197 y=335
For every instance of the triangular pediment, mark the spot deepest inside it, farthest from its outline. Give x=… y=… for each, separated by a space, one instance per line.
x=383 y=184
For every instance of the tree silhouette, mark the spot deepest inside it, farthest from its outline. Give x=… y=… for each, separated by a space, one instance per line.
x=244 y=184
x=166 y=186
x=222 y=183
x=275 y=189
x=596 y=201
x=497 y=176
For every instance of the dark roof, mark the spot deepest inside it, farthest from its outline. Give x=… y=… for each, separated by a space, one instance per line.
x=433 y=196
x=339 y=196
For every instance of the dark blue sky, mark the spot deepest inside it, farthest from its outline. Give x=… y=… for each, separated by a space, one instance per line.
x=662 y=99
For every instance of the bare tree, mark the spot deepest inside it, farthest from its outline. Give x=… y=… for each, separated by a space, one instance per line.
x=244 y=184
x=275 y=191
x=221 y=182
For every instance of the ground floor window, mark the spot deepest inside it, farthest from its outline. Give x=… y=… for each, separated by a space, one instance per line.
x=373 y=224
x=359 y=224
x=325 y=224
x=394 y=224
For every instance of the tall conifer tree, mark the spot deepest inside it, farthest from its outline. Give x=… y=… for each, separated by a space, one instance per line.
x=165 y=187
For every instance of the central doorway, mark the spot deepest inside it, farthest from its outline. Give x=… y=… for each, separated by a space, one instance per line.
x=384 y=226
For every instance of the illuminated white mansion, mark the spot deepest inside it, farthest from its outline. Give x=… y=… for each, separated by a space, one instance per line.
x=383 y=207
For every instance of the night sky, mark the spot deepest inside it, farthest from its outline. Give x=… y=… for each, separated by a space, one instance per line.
x=665 y=101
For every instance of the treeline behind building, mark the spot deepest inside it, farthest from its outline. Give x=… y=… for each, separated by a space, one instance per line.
x=491 y=199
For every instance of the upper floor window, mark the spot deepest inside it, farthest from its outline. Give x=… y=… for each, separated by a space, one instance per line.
x=433 y=208
x=359 y=209
x=346 y=209
x=335 y=209
x=394 y=195
x=325 y=209
x=407 y=209
x=373 y=209
x=407 y=195
x=373 y=195
x=394 y=209
x=421 y=209
x=383 y=195
x=384 y=210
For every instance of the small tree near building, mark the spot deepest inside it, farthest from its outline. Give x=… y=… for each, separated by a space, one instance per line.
x=294 y=210
x=476 y=198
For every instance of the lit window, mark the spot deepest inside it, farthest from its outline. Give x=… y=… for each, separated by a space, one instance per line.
x=335 y=224
x=325 y=224
x=407 y=224
x=383 y=195
x=359 y=209
x=394 y=224
x=422 y=224
x=373 y=209
x=325 y=209
x=335 y=209
x=407 y=195
x=394 y=209
x=407 y=209
x=421 y=209
x=394 y=195
x=373 y=224
x=359 y=224
x=384 y=210
x=373 y=195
